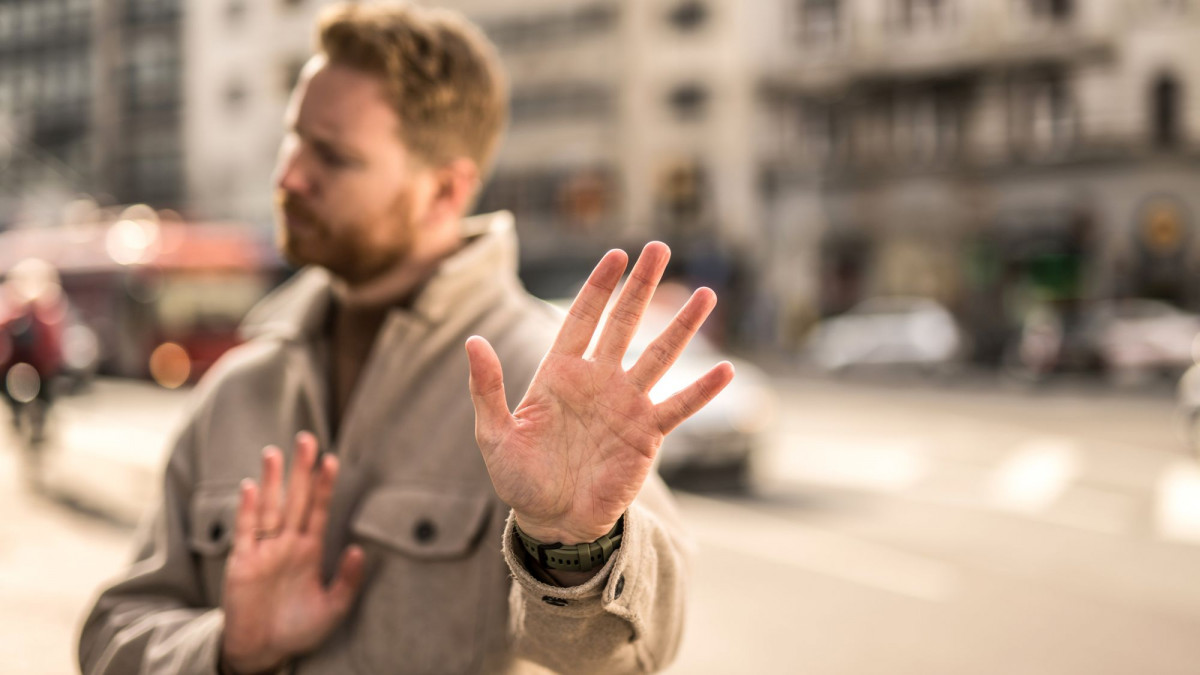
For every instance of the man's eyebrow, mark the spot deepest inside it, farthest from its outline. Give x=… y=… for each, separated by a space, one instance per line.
x=326 y=143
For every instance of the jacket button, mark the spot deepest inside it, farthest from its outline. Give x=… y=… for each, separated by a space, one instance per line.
x=620 y=587
x=216 y=531
x=551 y=600
x=425 y=531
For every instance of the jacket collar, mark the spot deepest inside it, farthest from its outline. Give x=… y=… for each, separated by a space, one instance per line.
x=297 y=310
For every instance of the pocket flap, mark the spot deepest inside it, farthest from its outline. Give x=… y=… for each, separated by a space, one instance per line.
x=213 y=513
x=423 y=521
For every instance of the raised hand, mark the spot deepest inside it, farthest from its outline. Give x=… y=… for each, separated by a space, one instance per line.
x=276 y=605
x=575 y=453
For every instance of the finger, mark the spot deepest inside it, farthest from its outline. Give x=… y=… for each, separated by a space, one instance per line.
x=318 y=516
x=666 y=348
x=269 y=515
x=487 y=390
x=584 y=314
x=347 y=581
x=299 y=487
x=245 y=522
x=627 y=313
x=695 y=396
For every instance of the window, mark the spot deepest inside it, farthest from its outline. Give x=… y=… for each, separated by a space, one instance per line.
x=930 y=123
x=688 y=101
x=552 y=27
x=920 y=15
x=290 y=74
x=819 y=22
x=1166 y=103
x=822 y=132
x=1055 y=11
x=235 y=96
x=689 y=15
x=575 y=198
x=573 y=100
x=235 y=12
x=153 y=73
x=681 y=192
x=1043 y=115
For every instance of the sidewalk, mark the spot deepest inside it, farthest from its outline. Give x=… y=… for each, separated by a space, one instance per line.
x=106 y=447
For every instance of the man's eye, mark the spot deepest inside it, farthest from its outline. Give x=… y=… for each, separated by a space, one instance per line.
x=331 y=158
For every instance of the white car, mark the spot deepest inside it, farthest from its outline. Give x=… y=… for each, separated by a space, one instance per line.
x=887 y=331
x=1189 y=406
x=717 y=443
x=1140 y=335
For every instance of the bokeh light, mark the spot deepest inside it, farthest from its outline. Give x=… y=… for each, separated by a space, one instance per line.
x=23 y=383
x=170 y=365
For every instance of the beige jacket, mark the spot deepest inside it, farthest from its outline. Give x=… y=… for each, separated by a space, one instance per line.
x=444 y=592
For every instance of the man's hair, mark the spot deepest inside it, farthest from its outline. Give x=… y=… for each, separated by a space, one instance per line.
x=441 y=75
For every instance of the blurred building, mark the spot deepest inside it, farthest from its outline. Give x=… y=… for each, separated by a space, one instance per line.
x=799 y=155
x=987 y=153
x=90 y=102
x=626 y=116
x=243 y=57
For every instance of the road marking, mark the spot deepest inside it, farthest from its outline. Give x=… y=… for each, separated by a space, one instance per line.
x=880 y=464
x=1178 y=510
x=1034 y=476
x=750 y=532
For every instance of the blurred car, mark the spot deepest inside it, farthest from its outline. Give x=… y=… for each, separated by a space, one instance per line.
x=1188 y=397
x=714 y=447
x=907 y=331
x=1139 y=336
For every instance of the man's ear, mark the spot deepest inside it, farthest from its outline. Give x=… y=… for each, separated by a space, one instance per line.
x=454 y=187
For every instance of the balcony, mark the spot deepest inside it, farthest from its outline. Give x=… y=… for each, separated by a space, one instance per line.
x=974 y=42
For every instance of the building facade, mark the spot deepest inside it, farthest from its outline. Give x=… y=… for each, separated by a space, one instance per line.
x=986 y=153
x=799 y=155
x=243 y=57
x=90 y=104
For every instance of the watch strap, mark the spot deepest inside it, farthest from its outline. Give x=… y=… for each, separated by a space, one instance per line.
x=574 y=557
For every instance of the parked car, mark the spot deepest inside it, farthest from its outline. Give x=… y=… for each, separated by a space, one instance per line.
x=906 y=331
x=714 y=447
x=1188 y=397
x=1139 y=336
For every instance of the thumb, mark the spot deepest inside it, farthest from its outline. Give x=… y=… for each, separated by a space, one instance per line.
x=487 y=389
x=348 y=580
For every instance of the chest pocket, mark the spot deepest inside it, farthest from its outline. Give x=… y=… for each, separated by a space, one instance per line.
x=429 y=580
x=212 y=515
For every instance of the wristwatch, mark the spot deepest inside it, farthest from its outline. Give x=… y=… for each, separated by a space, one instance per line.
x=577 y=557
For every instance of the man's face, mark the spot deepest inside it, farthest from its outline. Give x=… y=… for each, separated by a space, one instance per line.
x=347 y=191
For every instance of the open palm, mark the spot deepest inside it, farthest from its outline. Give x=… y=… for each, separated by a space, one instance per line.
x=276 y=603
x=576 y=451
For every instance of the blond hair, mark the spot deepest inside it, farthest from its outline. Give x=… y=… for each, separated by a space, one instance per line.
x=441 y=75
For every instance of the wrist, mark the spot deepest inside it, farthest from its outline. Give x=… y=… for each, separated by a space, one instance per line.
x=258 y=665
x=549 y=534
x=582 y=557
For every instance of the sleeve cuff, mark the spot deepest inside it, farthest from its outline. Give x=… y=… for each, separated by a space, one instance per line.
x=612 y=589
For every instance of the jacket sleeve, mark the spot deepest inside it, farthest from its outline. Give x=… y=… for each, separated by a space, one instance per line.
x=626 y=619
x=152 y=618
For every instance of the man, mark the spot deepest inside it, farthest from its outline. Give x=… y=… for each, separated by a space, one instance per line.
x=393 y=548
x=33 y=314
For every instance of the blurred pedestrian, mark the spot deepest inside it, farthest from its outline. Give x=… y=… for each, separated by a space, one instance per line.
x=33 y=312
x=394 y=546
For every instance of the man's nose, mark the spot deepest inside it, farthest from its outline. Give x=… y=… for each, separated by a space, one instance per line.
x=291 y=176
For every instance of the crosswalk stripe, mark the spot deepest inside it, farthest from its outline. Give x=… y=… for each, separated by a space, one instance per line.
x=1034 y=475
x=1177 y=515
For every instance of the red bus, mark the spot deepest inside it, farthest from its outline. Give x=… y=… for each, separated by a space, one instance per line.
x=164 y=300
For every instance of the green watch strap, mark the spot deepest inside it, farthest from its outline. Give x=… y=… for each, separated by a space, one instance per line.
x=577 y=557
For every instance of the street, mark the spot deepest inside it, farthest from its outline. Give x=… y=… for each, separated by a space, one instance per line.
x=894 y=527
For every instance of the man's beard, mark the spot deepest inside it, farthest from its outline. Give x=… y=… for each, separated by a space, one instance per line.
x=305 y=238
